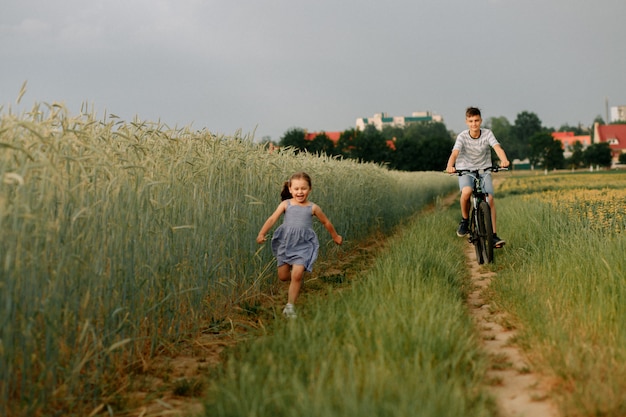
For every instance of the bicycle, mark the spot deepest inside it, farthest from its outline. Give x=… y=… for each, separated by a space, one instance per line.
x=480 y=226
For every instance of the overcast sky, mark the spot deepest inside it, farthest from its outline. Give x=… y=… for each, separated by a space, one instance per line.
x=266 y=66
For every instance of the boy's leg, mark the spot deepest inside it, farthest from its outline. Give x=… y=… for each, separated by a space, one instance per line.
x=498 y=242
x=463 y=228
x=492 y=208
x=466 y=185
x=466 y=193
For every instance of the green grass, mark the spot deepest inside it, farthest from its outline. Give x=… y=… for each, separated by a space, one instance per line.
x=565 y=282
x=398 y=343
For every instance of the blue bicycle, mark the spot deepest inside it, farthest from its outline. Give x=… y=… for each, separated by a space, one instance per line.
x=480 y=227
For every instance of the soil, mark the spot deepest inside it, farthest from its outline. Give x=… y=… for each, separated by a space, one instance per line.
x=517 y=388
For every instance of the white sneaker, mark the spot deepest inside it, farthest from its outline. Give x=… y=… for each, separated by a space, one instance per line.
x=289 y=311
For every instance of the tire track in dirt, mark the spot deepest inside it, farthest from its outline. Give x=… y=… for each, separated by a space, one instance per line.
x=517 y=389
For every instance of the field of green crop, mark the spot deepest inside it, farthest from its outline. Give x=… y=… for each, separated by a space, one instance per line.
x=121 y=238
x=563 y=274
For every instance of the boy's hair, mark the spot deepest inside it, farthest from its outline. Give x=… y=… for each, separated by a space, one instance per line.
x=472 y=111
x=285 y=194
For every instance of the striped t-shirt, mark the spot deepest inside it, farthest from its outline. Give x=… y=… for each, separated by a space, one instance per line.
x=474 y=153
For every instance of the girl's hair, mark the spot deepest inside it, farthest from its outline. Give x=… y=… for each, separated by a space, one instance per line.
x=285 y=194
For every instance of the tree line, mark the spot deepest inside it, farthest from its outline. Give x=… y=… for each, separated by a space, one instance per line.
x=528 y=139
x=426 y=146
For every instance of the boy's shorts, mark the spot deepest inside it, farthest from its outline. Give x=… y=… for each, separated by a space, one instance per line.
x=467 y=181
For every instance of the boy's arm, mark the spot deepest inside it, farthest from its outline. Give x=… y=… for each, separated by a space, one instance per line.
x=451 y=161
x=504 y=161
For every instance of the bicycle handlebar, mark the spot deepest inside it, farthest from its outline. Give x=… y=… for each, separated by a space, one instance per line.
x=494 y=168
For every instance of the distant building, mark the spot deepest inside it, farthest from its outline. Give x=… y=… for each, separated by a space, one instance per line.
x=568 y=139
x=614 y=135
x=333 y=136
x=618 y=114
x=380 y=120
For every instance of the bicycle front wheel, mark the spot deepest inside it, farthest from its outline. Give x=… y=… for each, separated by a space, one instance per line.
x=474 y=238
x=485 y=232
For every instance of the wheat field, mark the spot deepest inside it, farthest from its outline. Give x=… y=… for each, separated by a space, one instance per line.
x=120 y=238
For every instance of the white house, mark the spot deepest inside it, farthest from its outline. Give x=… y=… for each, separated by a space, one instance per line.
x=618 y=114
x=379 y=120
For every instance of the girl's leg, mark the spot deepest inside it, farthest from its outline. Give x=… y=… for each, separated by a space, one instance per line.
x=297 y=273
x=284 y=272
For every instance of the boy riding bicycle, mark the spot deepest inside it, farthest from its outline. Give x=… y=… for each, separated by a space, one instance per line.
x=472 y=151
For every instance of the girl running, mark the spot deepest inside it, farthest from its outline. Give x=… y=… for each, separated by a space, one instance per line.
x=294 y=243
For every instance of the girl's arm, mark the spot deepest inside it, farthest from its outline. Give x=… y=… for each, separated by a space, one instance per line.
x=270 y=222
x=317 y=212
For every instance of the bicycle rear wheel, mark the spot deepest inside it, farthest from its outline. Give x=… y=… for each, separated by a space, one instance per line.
x=484 y=230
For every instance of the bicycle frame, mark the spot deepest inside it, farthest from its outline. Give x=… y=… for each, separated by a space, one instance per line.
x=480 y=227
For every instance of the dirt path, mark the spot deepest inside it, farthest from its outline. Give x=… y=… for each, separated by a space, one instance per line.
x=517 y=389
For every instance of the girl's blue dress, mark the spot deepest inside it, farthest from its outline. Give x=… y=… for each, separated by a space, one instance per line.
x=295 y=241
